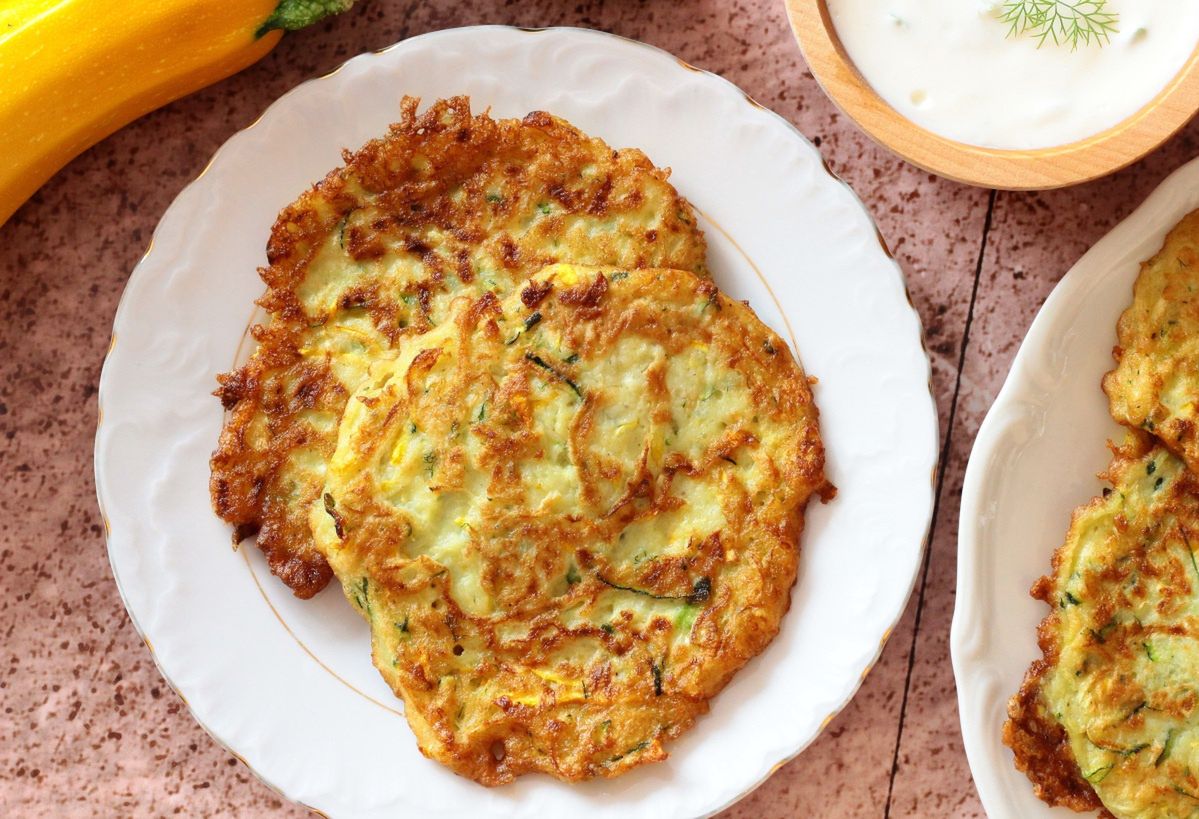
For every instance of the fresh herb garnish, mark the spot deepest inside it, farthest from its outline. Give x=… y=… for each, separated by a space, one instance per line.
x=1064 y=22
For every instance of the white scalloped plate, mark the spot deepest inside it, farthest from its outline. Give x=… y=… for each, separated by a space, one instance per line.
x=288 y=685
x=1035 y=460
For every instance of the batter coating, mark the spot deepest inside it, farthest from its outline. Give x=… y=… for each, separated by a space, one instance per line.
x=1155 y=384
x=446 y=205
x=571 y=515
x=1110 y=715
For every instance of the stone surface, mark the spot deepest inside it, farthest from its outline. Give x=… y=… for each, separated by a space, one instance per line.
x=87 y=725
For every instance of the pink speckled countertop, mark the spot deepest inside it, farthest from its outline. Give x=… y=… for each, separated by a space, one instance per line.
x=88 y=728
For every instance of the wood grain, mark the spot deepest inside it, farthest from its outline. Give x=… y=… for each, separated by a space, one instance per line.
x=1043 y=168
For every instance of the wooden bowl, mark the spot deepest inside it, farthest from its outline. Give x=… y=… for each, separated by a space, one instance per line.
x=1038 y=169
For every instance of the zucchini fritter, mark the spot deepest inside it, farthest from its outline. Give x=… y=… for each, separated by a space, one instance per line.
x=571 y=515
x=447 y=204
x=1155 y=385
x=1110 y=712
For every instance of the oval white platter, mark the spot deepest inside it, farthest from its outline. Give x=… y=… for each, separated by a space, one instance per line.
x=1035 y=459
x=288 y=685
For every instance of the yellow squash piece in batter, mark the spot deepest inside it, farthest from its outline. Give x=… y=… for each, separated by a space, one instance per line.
x=571 y=515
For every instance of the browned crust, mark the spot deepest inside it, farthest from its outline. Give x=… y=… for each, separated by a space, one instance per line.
x=740 y=576
x=249 y=486
x=1180 y=257
x=1040 y=744
x=279 y=385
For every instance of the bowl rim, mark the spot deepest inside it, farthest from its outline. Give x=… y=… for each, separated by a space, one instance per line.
x=1029 y=169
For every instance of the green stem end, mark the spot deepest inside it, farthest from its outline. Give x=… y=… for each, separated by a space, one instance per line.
x=290 y=15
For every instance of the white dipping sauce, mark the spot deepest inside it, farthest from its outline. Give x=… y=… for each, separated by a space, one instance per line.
x=949 y=66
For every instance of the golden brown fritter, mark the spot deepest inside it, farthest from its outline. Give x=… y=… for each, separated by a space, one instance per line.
x=1155 y=385
x=571 y=515
x=447 y=204
x=1039 y=742
x=1111 y=712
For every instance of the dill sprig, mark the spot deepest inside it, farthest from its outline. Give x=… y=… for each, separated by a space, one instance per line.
x=1065 y=22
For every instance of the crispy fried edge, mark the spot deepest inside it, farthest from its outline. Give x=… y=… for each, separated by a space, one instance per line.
x=289 y=250
x=1041 y=745
x=1179 y=435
